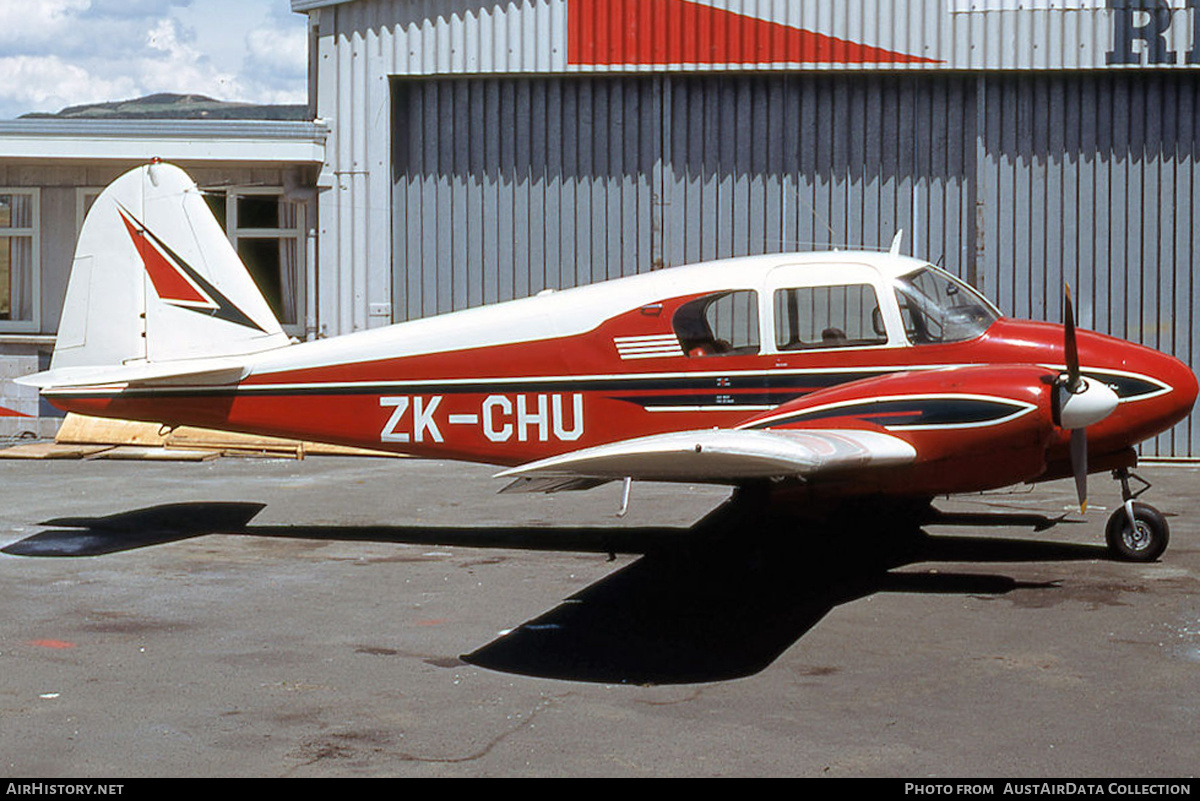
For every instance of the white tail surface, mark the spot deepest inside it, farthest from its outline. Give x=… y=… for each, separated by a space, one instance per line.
x=156 y=280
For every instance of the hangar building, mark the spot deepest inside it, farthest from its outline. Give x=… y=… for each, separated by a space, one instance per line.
x=480 y=151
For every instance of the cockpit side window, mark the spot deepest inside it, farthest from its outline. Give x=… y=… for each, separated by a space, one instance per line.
x=723 y=324
x=828 y=317
x=937 y=308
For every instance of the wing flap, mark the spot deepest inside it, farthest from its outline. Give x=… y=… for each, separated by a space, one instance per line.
x=719 y=456
x=552 y=484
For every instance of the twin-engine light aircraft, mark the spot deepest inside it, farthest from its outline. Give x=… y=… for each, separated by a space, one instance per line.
x=822 y=378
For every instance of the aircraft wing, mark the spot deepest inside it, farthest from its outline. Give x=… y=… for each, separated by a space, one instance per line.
x=716 y=456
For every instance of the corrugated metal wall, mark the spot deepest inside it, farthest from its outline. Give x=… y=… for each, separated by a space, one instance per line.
x=468 y=37
x=761 y=164
x=506 y=187
x=503 y=187
x=1091 y=179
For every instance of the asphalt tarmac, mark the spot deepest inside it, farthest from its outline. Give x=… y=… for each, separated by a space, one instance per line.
x=363 y=617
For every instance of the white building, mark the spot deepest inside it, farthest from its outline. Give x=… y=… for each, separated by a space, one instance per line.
x=261 y=178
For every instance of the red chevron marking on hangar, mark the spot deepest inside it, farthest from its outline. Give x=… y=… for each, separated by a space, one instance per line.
x=660 y=32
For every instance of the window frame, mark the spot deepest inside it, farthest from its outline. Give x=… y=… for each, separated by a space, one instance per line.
x=703 y=304
x=901 y=283
x=32 y=325
x=806 y=275
x=297 y=232
x=787 y=294
x=82 y=193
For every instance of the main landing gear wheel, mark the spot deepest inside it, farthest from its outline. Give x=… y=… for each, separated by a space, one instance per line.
x=1144 y=540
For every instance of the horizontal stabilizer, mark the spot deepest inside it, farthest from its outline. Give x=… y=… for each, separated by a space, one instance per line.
x=718 y=456
x=203 y=372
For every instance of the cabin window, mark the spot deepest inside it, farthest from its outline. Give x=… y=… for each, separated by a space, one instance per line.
x=828 y=317
x=724 y=324
x=937 y=308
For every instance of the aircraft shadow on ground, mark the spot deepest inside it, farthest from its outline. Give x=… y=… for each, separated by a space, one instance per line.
x=720 y=600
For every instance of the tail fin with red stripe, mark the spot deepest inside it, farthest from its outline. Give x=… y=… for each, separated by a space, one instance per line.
x=156 y=280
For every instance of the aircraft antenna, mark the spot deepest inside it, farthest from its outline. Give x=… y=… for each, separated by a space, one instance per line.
x=817 y=216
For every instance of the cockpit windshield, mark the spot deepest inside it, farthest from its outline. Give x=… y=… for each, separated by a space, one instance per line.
x=936 y=307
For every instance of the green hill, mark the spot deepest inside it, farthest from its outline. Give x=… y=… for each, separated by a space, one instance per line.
x=179 y=107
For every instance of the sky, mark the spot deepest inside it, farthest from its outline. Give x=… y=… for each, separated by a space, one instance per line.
x=58 y=53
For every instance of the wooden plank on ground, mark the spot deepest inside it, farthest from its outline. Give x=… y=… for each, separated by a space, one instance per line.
x=51 y=450
x=145 y=453
x=80 y=429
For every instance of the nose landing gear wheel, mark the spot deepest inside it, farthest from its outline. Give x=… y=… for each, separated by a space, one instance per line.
x=1143 y=542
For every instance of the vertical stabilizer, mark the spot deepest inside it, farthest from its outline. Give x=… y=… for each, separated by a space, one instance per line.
x=155 y=279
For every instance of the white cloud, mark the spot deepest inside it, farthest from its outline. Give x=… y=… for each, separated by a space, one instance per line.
x=23 y=22
x=47 y=83
x=173 y=63
x=136 y=9
x=280 y=52
x=55 y=53
x=275 y=67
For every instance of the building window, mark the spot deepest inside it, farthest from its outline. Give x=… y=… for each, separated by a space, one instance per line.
x=19 y=268
x=267 y=230
x=85 y=196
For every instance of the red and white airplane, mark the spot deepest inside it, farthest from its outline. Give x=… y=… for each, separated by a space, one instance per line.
x=825 y=378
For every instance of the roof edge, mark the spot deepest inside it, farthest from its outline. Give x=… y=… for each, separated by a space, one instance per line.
x=304 y=6
x=316 y=130
x=172 y=140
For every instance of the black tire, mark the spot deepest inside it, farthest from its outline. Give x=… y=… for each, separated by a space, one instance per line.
x=1145 y=544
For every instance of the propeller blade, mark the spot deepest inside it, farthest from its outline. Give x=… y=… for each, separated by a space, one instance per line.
x=1070 y=349
x=1079 y=465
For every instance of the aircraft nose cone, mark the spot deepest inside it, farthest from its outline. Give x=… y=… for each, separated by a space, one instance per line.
x=1177 y=402
x=1184 y=384
x=1158 y=390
